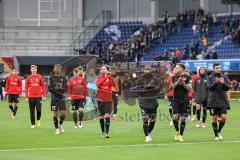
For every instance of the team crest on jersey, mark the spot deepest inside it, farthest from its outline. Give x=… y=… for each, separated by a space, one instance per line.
x=107 y=80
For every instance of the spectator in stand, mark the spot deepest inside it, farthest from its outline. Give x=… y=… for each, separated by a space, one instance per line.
x=166 y=16
x=200 y=12
x=208 y=56
x=193 y=56
x=234 y=37
x=178 y=53
x=238 y=37
x=215 y=21
x=175 y=60
x=204 y=43
x=215 y=55
x=195 y=29
x=186 y=54
x=225 y=26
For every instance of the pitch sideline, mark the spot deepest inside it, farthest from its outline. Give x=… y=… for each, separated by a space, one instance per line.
x=110 y=146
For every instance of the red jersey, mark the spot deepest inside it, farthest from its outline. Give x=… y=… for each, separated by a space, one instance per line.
x=35 y=86
x=77 y=88
x=14 y=85
x=194 y=77
x=190 y=93
x=104 y=88
x=168 y=90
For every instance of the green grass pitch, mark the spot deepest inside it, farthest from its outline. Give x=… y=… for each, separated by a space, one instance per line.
x=19 y=142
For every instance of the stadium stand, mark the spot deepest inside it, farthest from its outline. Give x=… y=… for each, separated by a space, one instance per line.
x=126 y=29
x=32 y=41
x=219 y=42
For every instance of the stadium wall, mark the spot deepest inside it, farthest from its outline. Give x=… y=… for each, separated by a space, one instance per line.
x=62 y=12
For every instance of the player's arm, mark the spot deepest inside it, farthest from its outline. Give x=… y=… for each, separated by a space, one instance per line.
x=43 y=85
x=51 y=86
x=69 y=89
x=26 y=88
x=100 y=81
x=225 y=84
x=85 y=89
x=112 y=81
x=7 y=85
x=188 y=85
x=20 y=85
x=167 y=87
x=174 y=84
x=120 y=86
x=195 y=86
x=211 y=83
x=65 y=85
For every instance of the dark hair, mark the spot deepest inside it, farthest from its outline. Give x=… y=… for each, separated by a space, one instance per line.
x=80 y=68
x=107 y=67
x=216 y=64
x=181 y=65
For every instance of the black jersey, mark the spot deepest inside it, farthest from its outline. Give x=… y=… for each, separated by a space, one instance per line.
x=200 y=89
x=181 y=93
x=218 y=92
x=57 y=85
x=149 y=88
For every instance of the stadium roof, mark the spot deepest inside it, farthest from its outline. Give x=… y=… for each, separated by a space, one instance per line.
x=42 y=60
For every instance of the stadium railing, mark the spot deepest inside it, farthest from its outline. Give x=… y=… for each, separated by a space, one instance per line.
x=83 y=38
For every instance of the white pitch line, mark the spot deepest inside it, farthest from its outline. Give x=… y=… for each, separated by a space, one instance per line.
x=110 y=146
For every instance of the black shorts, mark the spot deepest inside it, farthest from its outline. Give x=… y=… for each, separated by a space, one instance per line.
x=13 y=98
x=180 y=107
x=218 y=111
x=58 y=105
x=204 y=103
x=104 y=107
x=35 y=102
x=78 y=103
x=149 y=113
x=170 y=101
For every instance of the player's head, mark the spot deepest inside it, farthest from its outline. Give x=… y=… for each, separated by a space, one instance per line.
x=80 y=70
x=76 y=72
x=174 y=71
x=14 y=71
x=179 y=69
x=202 y=71
x=147 y=69
x=33 y=69
x=217 y=68
x=113 y=72
x=57 y=69
x=187 y=72
x=104 y=70
x=92 y=72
